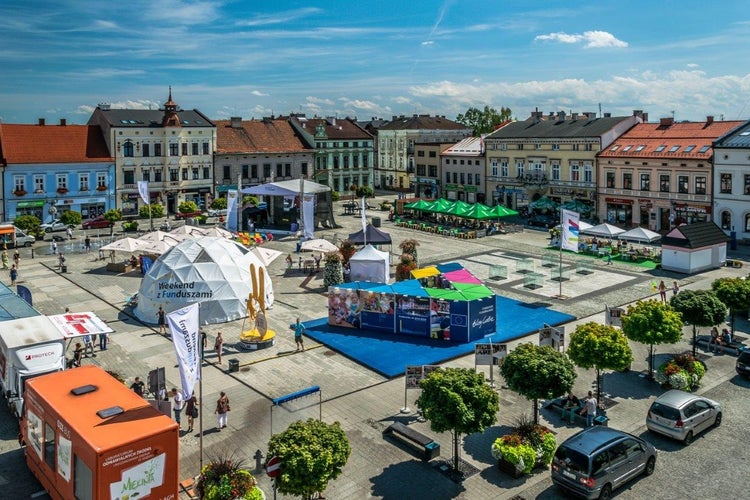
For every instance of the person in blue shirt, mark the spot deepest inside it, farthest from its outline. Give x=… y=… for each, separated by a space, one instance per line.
x=299 y=329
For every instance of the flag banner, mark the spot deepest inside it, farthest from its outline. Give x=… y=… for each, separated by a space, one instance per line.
x=24 y=293
x=570 y=230
x=364 y=217
x=184 y=326
x=143 y=191
x=308 y=215
x=232 y=222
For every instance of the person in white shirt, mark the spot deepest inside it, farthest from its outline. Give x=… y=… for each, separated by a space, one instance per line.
x=589 y=409
x=177 y=403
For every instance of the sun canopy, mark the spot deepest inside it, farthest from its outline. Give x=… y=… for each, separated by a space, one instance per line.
x=286 y=188
x=544 y=203
x=125 y=245
x=318 y=245
x=639 y=234
x=419 y=205
x=372 y=235
x=604 y=230
x=213 y=272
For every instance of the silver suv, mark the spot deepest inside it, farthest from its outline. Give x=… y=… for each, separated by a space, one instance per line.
x=681 y=415
x=597 y=460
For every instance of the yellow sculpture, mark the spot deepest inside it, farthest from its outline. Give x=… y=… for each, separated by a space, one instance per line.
x=258 y=331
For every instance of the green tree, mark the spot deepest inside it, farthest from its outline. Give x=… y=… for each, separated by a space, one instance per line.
x=538 y=373
x=310 y=455
x=28 y=223
x=652 y=322
x=113 y=215
x=71 y=217
x=187 y=207
x=219 y=203
x=601 y=347
x=365 y=191
x=483 y=121
x=699 y=308
x=734 y=293
x=458 y=400
x=152 y=210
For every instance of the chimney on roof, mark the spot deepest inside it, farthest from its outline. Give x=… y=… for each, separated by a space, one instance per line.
x=638 y=113
x=561 y=115
x=63 y=122
x=709 y=119
x=41 y=122
x=607 y=115
x=235 y=122
x=551 y=116
x=666 y=122
x=590 y=115
x=394 y=118
x=573 y=116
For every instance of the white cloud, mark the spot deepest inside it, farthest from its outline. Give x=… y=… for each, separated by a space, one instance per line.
x=318 y=100
x=258 y=93
x=428 y=42
x=279 y=17
x=590 y=39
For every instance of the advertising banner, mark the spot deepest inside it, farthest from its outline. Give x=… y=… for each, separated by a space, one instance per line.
x=613 y=316
x=79 y=324
x=378 y=311
x=570 y=228
x=143 y=191
x=483 y=318
x=343 y=307
x=440 y=319
x=415 y=374
x=413 y=315
x=489 y=354
x=138 y=481
x=459 y=319
x=184 y=326
x=232 y=216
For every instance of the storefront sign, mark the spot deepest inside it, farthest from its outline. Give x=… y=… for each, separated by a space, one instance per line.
x=619 y=201
x=30 y=204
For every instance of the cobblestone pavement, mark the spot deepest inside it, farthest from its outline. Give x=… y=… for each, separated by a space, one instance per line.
x=363 y=401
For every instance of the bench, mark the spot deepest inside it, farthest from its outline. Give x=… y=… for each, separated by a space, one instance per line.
x=733 y=348
x=186 y=487
x=426 y=445
x=556 y=405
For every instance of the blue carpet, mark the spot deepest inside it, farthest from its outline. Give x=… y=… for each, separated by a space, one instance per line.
x=390 y=354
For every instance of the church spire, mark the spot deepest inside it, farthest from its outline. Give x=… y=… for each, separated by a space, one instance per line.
x=171 y=119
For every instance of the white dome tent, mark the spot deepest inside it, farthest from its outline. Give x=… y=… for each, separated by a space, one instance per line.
x=212 y=271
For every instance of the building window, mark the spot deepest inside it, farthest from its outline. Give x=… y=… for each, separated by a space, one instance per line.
x=432 y=170
x=206 y=172
x=421 y=170
x=49 y=446
x=455 y=178
x=555 y=147
x=519 y=168
x=420 y=153
x=725 y=183
x=645 y=182
x=700 y=185
x=280 y=169
x=184 y=149
x=555 y=171
x=195 y=149
x=447 y=177
x=195 y=174
x=575 y=173
x=664 y=183
x=747 y=223
x=576 y=147
x=173 y=149
x=145 y=174
x=288 y=169
x=610 y=180
x=19 y=183
x=433 y=154
x=127 y=149
x=39 y=184
x=101 y=179
x=128 y=177
x=588 y=173
x=62 y=181
x=266 y=170
x=226 y=169
x=519 y=147
x=157 y=175
x=682 y=184
x=627 y=181
x=205 y=148
x=589 y=147
x=157 y=149
x=476 y=179
x=174 y=175
x=146 y=150
x=83 y=182
x=253 y=171
x=747 y=184
x=537 y=146
x=726 y=220
x=462 y=179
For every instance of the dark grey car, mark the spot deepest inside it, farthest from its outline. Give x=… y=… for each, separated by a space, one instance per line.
x=595 y=461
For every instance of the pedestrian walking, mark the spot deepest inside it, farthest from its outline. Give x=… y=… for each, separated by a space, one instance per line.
x=54 y=248
x=162 y=320
x=288 y=261
x=138 y=386
x=69 y=232
x=17 y=259
x=589 y=409
x=317 y=258
x=88 y=344
x=78 y=354
x=6 y=260
x=204 y=344
x=299 y=329
x=61 y=260
x=219 y=345
x=675 y=288
x=13 y=274
x=87 y=244
x=663 y=291
x=222 y=408
x=191 y=408
x=178 y=403
x=609 y=258
x=103 y=341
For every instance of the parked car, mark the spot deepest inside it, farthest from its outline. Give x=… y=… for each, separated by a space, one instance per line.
x=54 y=225
x=599 y=459
x=540 y=220
x=682 y=415
x=217 y=212
x=96 y=223
x=743 y=363
x=187 y=215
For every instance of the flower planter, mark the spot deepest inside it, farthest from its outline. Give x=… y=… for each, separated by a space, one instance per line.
x=509 y=468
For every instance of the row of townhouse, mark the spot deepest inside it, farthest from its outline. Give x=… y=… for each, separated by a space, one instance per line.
x=182 y=154
x=623 y=170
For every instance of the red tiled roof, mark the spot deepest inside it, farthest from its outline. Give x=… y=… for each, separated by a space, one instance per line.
x=343 y=129
x=53 y=144
x=258 y=136
x=653 y=136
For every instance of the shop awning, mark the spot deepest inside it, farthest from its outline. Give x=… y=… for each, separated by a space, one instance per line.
x=30 y=203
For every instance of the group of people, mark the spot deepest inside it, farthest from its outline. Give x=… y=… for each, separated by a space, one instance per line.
x=718 y=342
x=191 y=404
x=662 y=287
x=572 y=406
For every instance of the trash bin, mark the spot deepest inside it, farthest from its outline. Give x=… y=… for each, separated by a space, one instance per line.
x=234 y=365
x=733 y=240
x=64 y=268
x=376 y=222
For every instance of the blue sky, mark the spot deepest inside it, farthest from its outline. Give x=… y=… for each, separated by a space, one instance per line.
x=380 y=58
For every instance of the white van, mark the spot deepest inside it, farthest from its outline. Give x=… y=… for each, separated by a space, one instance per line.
x=11 y=236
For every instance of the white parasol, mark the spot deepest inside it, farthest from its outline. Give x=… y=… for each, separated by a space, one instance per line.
x=125 y=245
x=319 y=245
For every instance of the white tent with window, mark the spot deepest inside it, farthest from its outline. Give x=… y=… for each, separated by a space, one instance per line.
x=212 y=271
x=370 y=264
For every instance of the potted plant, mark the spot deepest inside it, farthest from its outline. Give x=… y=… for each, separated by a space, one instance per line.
x=101 y=188
x=347 y=249
x=62 y=190
x=682 y=372
x=528 y=446
x=405 y=266
x=19 y=192
x=224 y=478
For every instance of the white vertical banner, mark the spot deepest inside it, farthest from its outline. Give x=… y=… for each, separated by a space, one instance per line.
x=143 y=191
x=232 y=219
x=570 y=230
x=364 y=215
x=308 y=215
x=184 y=326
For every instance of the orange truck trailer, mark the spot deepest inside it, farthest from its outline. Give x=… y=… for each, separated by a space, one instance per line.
x=88 y=436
